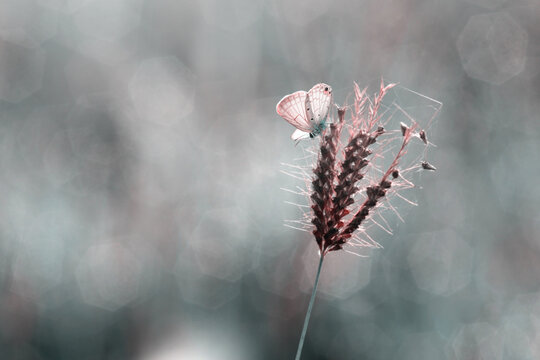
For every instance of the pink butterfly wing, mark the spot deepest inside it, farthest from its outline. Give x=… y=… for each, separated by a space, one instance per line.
x=292 y=108
x=320 y=97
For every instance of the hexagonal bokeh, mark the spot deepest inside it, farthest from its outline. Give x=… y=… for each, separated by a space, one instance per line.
x=274 y=275
x=109 y=276
x=38 y=265
x=35 y=147
x=441 y=262
x=162 y=90
x=521 y=327
x=493 y=47
x=420 y=346
x=108 y=19
x=198 y=288
x=480 y=341
x=221 y=246
x=522 y=337
x=452 y=195
x=509 y=184
x=21 y=69
x=28 y=19
x=342 y=273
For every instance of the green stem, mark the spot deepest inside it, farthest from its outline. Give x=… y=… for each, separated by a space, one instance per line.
x=310 y=307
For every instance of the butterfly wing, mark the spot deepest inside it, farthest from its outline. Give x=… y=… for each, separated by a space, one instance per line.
x=299 y=135
x=309 y=112
x=292 y=108
x=318 y=102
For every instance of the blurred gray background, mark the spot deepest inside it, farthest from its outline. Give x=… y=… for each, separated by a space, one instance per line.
x=141 y=213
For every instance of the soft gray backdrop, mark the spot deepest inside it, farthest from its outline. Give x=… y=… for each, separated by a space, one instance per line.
x=141 y=214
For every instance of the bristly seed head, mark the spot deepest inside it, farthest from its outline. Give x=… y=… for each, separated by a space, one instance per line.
x=422 y=135
x=428 y=166
x=340 y=168
x=404 y=128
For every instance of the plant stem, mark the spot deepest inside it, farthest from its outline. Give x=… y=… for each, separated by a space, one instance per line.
x=310 y=307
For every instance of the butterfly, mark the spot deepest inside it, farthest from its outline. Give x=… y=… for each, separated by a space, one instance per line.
x=306 y=111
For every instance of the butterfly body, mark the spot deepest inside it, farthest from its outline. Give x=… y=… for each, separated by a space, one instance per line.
x=318 y=129
x=307 y=111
